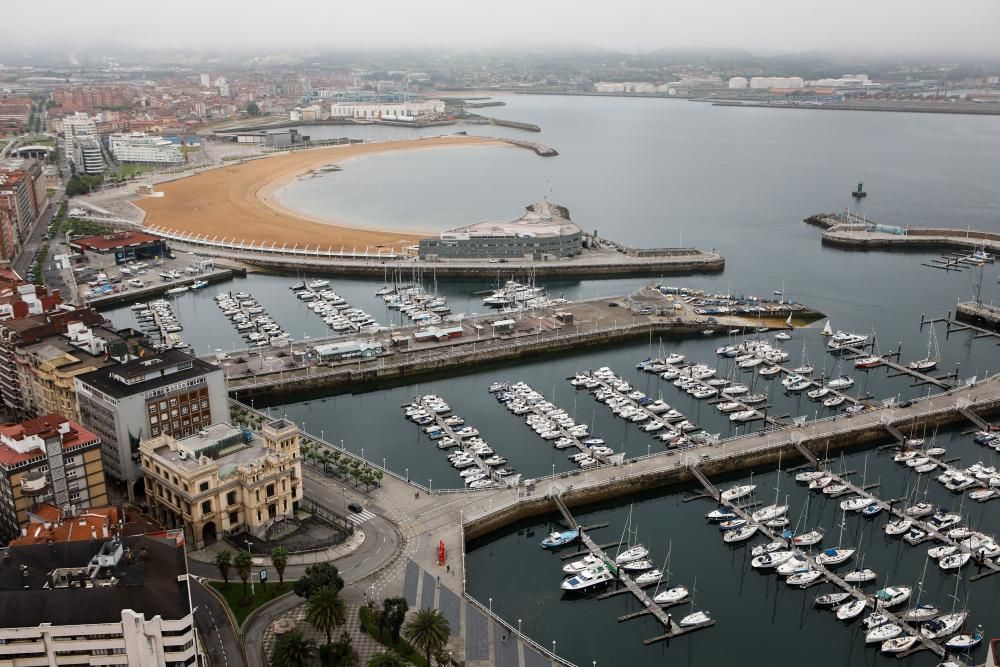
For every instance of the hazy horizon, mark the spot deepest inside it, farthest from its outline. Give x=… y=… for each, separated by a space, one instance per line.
x=764 y=27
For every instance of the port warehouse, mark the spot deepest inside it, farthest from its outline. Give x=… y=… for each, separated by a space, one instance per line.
x=126 y=246
x=544 y=231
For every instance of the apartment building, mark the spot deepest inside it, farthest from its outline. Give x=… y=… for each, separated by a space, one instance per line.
x=223 y=480
x=17 y=196
x=169 y=392
x=141 y=147
x=27 y=330
x=49 y=459
x=76 y=127
x=98 y=602
x=89 y=157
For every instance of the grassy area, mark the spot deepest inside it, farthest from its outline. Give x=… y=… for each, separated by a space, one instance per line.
x=400 y=646
x=131 y=169
x=234 y=596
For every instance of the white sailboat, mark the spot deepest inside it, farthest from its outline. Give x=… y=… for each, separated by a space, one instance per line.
x=695 y=617
x=805 y=368
x=827 y=330
x=837 y=554
x=933 y=354
x=670 y=595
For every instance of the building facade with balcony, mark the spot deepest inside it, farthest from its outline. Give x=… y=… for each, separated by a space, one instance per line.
x=224 y=480
x=47 y=460
x=98 y=602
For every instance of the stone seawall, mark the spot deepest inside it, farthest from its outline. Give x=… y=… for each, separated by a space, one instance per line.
x=678 y=474
x=842 y=234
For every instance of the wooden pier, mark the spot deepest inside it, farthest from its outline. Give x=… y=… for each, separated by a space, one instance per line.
x=649 y=607
x=826 y=573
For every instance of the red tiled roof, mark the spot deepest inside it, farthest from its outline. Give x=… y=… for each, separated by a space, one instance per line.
x=44 y=427
x=92 y=521
x=116 y=240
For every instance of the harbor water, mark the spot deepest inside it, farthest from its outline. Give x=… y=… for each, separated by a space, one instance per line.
x=657 y=173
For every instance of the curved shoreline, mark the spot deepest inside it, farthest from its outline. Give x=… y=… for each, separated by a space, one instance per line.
x=238 y=202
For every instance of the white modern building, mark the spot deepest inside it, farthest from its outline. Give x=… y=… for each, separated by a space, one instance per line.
x=140 y=147
x=738 y=82
x=78 y=127
x=386 y=110
x=781 y=82
x=88 y=156
x=846 y=81
x=206 y=80
x=123 y=601
x=222 y=83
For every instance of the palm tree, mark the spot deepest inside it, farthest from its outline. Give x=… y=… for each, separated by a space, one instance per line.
x=293 y=650
x=378 y=477
x=428 y=631
x=325 y=610
x=279 y=559
x=244 y=567
x=387 y=658
x=224 y=561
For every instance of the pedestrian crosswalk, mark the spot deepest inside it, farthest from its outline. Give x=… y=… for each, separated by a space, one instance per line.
x=361 y=517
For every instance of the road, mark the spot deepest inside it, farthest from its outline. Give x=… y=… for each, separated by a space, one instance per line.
x=35 y=240
x=382 y=542
x=217 y=633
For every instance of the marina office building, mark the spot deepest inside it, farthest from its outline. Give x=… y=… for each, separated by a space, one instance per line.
x=97 y=602
x=170 y=392
x=543 y=232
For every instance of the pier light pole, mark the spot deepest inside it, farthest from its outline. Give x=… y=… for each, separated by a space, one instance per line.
x=491 y=606
x=430 y=484
x=553 y=469
x=518 y=626
x=321 y=435
x=553 y=647
x=407 y=474
x=383 y=463
x=648 y=448
x=363 y=455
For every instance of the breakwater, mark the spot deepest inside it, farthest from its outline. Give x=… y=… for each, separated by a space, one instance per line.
x=850 y=231
x=979 y=313
x=733 y=456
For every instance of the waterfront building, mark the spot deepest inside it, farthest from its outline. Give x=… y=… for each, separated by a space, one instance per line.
x=543 y=232
x=169 y=392
x=224 y=480
x=107 y=250
x=48 y=459
x=348 y=349
x=98 y=602
x=141 y=147
x=407 y=110
x=76 y=127
x=781 y=82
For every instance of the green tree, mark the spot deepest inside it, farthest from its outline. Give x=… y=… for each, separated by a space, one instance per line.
x=325 y=610
x=279 y=559
x=224 y=561
x=253 y=109
x=393 y=615
x=378 y=476
x=316 y=577
x=387 y=658
x=243 y=562
x=340 y=653
x=428 y=631
x=293 y=650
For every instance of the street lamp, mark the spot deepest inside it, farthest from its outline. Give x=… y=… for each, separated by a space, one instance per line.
x=553 y=647
x=252 y=592
x=518 y=626
x=491 y=606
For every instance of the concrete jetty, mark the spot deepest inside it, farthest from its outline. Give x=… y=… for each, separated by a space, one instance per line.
x=847 y=230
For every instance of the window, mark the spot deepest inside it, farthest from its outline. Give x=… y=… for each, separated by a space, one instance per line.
x=206 y=507
x=163 y=405
x=155 y=430
x=173 y=402
x=231 y=498
x=294 y=492
x=270 y=490
x=154 y=419
x=152 y=408
x=204 y=403
x=234 y=518
x=203 y=487
x=75 y=495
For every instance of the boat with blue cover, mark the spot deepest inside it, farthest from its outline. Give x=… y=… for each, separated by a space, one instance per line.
x=559 y=539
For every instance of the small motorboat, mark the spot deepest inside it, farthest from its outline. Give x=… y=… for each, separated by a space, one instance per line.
x=921 y=612
x=804 y=579
x=671 y=595
x=891 y=596
x=721 y=514
x=737 y=492
x=635 y=553
x=648 y=577
x=834 y=556
x=555 y=540
x=831 y=599
x=943 y=626
x=587 y=579
x=883 y=633
x=640 y=565
x=697 y=618
x=807 y=539
x=915 y=536
x=850 y=610
x=899 y=644
x=861 y=576
x=920 y=509
x=954 y=561
x=965 y=642
x=872 y=510
x=584 y=563
x=897 y=527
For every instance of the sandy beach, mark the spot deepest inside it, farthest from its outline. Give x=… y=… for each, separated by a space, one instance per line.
x=240 y=201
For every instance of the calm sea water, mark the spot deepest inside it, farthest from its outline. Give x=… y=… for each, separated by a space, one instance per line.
x=659 y=172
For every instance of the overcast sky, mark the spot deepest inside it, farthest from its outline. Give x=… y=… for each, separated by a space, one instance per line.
x=764 y=26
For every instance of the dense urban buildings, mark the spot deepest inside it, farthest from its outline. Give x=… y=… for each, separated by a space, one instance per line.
x=168 y=392
x=98 y=602
x=49 y=459
x=224 y=480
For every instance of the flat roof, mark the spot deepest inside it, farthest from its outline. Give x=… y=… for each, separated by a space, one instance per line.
x=542 y=219
x=148 y=584
x=103 y=381
x=116 y=240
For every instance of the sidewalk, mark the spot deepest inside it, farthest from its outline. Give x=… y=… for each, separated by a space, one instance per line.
x=349 y=546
